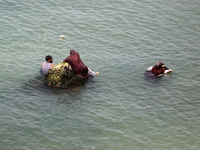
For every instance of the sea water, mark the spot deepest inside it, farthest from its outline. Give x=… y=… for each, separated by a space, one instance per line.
x=118 y=109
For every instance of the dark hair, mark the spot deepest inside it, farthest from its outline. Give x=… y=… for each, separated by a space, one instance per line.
x=159 y=64
x=48 y=57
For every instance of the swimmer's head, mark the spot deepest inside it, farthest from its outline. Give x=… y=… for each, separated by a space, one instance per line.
x=49 y=58
x=159 y=64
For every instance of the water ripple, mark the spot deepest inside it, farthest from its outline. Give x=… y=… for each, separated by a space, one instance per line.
x=120 y=108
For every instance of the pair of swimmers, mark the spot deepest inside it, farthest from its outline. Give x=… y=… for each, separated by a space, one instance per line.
x=74 y=61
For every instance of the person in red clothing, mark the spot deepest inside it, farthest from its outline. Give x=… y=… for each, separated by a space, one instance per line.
x=78 y=66
x=159 y=69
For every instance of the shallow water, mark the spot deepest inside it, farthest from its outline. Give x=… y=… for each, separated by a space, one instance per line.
x=120 y=108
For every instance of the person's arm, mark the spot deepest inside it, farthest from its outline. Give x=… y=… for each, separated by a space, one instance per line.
x=41 y=65
x=150 y=68
x=169 y=70
x=90 y=72
x=159 y=74
x=52 y=65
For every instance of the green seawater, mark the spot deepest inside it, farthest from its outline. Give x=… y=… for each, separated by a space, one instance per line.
x=120 y=109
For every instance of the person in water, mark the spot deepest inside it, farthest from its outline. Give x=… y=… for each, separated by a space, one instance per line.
x=46 y=65
x=159 y=69
x=78 y=66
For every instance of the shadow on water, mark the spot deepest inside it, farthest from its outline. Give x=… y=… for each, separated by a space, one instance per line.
x=37 y=86
x=150 y=78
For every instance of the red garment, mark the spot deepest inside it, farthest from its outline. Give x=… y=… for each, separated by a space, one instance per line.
x=158 y=70
x=77 y=65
